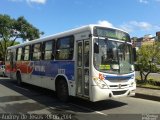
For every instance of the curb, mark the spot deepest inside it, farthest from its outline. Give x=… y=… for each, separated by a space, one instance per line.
x=148 y=97
x=148 y=88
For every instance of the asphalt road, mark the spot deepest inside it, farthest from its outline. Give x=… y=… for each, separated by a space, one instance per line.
x=34 y=100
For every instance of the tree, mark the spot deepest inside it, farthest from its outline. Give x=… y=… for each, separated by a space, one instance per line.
x=13 y=29
x=147 y=57
x=8 y=43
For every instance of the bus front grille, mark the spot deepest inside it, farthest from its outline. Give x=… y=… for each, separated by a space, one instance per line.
x=119 y=92
x=117 y=86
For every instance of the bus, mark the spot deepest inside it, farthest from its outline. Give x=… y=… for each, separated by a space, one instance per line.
x=92 y=62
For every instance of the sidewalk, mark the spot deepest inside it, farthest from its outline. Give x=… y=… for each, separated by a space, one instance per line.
x=146 y=93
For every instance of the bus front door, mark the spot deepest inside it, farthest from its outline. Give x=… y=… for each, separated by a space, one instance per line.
x=82 y=70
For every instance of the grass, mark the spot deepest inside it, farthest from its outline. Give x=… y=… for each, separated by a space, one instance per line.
x=153 y=78
x=153 y=81
x=149 y=84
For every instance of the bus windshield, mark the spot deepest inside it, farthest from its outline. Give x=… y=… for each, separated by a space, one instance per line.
x=112 y=56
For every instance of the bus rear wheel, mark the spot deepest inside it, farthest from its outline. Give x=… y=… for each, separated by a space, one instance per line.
x=62 y=90
x=19 y=80
x=3 y=74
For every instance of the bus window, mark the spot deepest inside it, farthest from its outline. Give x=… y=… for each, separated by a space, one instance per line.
x=19 y=54
x=86 y=53
x=64 y=48
x=48 y=50
x=8 y=55
x=36 y=52
x=26 y=53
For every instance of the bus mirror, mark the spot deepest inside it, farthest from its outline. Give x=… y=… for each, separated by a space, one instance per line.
x=96 y=48
x=134 y=54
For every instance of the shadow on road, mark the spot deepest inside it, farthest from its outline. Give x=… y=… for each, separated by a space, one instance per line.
x=44 y=98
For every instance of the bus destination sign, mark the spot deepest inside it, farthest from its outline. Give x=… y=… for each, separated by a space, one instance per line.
x=111 y=33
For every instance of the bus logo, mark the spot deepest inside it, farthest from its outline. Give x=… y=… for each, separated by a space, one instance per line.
x=119 y=86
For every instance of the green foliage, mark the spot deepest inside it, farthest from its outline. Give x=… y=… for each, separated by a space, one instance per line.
x=13 y=29
x=25 y=30
x=154 y=69
x=147 y=58
x=8 y=43
x=149 y=84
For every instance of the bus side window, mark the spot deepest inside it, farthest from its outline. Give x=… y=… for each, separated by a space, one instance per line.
x=8 y=55
x=27 y=53
x=86 y=54
x=19 y=54
x=48 y=49
x=53 y=49
x=65 y=48
x=36 y=49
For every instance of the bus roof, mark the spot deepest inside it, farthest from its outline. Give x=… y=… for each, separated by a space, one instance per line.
x=62 y=34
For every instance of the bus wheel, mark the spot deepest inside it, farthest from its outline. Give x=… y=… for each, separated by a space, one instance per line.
x=19 y=80
x=3 y=74
x=62 y=90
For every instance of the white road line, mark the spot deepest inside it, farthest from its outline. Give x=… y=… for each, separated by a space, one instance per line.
x=101 y=113
x=22 y=88
x=55 y=107
x=98 y=112
x=17 y=102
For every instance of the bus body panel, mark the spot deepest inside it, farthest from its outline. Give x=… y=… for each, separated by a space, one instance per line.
x=44 y=73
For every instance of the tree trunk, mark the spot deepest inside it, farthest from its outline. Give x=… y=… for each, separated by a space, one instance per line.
x=145 y=78
x=141 y=74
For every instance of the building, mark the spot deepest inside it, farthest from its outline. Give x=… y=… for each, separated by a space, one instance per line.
x=158 y=35
x=146 y=40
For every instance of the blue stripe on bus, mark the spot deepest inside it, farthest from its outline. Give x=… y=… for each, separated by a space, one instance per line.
x=50 y=68
x=111 y=77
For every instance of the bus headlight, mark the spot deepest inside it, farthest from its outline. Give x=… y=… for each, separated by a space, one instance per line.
x=101 y=83
x=132 y=84
x=132 y=67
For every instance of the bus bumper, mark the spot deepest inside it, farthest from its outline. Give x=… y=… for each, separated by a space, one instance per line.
x=99 y=94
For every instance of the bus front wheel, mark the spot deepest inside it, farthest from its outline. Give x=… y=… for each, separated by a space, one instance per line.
x=62 y=90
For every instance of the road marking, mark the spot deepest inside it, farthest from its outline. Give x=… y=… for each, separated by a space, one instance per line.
x=56 y=107
x=17 y=102
x=98 y=112
x=101 y=113
x=22 y=88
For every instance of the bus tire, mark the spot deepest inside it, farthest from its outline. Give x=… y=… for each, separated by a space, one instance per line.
x=62 y=90
x=19 y=80
x=3 y=74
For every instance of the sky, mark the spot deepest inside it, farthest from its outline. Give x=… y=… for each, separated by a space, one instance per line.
x=138 y=17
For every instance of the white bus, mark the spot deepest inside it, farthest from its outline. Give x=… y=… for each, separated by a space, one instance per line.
x=91 y=62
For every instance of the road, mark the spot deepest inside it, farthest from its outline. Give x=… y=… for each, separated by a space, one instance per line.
x=34 y=100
